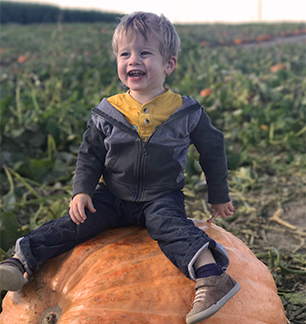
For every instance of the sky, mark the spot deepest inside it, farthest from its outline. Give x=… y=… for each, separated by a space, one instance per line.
x=189 y=11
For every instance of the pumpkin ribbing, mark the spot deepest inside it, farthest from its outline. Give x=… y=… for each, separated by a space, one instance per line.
x=122 y=276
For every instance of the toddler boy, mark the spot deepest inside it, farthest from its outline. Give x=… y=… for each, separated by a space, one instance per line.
x=138 y=142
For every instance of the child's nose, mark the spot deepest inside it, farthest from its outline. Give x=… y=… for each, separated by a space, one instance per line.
x=134 y=59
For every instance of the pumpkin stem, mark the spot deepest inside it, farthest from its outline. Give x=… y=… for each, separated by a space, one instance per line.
x=51 y=315
x=51 y=319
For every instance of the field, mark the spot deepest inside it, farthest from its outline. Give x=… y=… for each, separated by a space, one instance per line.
x=251 y=81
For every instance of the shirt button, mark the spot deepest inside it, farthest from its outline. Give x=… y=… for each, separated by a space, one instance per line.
x=146 y=121
x=145 y=110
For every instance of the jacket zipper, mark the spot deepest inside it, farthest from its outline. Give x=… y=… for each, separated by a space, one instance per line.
x=141 y=169
x=143 y=145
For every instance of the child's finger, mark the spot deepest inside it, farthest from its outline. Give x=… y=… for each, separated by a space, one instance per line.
x=73 y=217
x=91 y=207
x=77 y=215
x=81 y=213
x=228 y=213
x=213 y=217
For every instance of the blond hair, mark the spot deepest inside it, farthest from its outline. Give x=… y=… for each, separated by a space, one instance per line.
x=144 y=23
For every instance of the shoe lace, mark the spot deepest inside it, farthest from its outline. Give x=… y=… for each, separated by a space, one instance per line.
x=200 y=295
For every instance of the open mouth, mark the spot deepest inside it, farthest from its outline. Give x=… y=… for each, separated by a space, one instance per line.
x=136 y=74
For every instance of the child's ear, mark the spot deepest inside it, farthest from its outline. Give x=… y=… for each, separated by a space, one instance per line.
x=171 y=64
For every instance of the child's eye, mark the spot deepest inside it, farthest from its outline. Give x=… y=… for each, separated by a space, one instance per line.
x=145 y=53
x=124 y=54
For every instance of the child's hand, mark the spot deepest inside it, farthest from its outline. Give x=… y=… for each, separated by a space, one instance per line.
x=222 y=210
x=77 y=207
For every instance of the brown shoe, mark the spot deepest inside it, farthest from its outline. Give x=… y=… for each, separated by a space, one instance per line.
x=211 y=294
x=11 y=275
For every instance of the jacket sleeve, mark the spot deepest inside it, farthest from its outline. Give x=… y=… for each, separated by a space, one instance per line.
x=90 y=161
x=209 y=142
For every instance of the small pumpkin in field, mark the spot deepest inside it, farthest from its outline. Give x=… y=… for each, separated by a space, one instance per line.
x=238 y=41
x=22 y=59
x=205 y=92
x=263 y=38
x=278 y=67
x=122 y=277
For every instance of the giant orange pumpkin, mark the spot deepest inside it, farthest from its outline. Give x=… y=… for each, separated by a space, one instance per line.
x=122 y=277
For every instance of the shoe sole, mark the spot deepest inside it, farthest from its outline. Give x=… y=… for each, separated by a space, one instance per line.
x=11 y=279
x=214 y=308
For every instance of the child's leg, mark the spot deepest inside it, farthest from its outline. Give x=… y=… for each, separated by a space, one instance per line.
x=205 y=265
x=193 y=252
x=181 y=241
x=60 y=235
x=203 y=259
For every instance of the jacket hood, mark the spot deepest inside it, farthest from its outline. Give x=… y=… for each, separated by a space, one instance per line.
x=105 y=107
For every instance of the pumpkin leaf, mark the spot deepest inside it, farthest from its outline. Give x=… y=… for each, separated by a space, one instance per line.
x=9 y=230
x=8 y=201
x=294 y=298
x=284 y=269
x=57 y=209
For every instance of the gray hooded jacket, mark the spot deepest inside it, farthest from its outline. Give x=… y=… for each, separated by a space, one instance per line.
x=142 y=171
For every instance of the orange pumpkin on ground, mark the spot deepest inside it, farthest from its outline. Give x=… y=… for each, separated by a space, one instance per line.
x=122 y=277
x=205 y=92
x=263 y=38
x=238 y=41
x=22 y=59
x=278 y=67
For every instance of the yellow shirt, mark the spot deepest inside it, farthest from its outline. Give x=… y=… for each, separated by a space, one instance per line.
x=146 y=117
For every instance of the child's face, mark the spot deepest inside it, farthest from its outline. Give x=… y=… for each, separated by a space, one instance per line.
x=141 y=67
